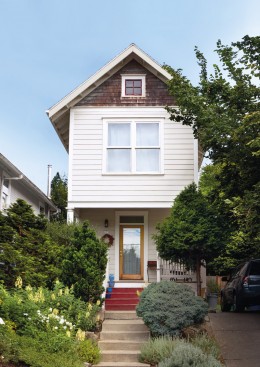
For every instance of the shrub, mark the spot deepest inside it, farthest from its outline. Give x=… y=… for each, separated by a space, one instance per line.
x=167 y=308
x=8 y=346
x=84 y=264
x=207 y=344
x=157 y=349
x=42 y=328
x=187 y=355
x=88 y=351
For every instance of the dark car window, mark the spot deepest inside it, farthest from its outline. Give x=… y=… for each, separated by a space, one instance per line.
x=255 y=268
x=243 y=269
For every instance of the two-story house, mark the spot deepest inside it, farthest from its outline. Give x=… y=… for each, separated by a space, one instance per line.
x=127 y=160
x=15 y=185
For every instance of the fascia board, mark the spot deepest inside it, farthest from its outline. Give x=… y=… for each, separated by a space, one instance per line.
x=65 y=102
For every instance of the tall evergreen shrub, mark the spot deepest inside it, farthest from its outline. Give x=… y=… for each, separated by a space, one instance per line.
x=84 y=264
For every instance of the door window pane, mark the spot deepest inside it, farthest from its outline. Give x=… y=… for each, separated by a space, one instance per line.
x=118 y=160
x=131 y=219
x=147 y=160
x=131 y=250
x=119 y=135
x=147 y=134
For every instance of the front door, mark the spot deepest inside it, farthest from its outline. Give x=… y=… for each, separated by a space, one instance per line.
x=131 y=251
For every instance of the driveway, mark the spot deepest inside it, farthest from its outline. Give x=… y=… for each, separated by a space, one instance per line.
x=238 y=335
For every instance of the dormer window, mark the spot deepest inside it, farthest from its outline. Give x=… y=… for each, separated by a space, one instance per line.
x=133 y=85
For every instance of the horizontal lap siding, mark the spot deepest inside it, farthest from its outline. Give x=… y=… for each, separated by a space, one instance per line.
x=88 y=185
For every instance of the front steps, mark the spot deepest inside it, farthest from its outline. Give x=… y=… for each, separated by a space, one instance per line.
x=122 y=299
x=122 y=334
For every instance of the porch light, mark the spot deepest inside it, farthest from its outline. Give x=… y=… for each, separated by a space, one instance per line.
x=106 y=223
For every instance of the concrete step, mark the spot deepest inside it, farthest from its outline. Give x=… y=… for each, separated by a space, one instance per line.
x=116 y=345
x=121 y=364
x=120 y=356
x=124 y=335
x=123 y=325
x=121 y=315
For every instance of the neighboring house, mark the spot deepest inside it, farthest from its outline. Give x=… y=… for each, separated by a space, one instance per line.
x=127 y=160
x=15 y=185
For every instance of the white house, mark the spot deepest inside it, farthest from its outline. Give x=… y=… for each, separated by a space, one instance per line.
x=127 y=160
x=15 y=185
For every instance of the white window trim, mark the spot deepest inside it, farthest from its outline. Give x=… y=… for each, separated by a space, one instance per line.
x=124 y=77
x=132 y=121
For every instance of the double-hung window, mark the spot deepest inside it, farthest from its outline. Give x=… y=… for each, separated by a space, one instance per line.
x=133 y=146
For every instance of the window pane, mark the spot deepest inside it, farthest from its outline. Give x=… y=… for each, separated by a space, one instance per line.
x=119 y=135
x=137 y=91
x=147 y=160
x=129 y=91
x=129 y=83
x=147 y=135
x=137 y=83
x=118 y=160
x=131 y=219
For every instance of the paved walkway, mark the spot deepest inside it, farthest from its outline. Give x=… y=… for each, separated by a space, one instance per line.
x=238 y=335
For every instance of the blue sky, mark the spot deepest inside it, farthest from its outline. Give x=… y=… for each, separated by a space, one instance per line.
x=49 y=47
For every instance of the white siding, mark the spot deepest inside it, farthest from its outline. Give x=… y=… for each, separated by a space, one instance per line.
x=18 y=191
x=89 y=188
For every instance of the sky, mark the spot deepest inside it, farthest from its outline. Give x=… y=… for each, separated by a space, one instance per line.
x=49 y=47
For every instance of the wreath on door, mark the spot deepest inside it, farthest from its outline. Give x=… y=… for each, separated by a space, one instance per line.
x=108 y=239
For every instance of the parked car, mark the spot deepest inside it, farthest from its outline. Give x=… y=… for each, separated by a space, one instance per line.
x=242 y=288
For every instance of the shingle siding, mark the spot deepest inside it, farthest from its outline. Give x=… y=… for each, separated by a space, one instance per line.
x=109 y=93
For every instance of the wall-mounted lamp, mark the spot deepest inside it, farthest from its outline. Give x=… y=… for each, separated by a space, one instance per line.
x=106 y=223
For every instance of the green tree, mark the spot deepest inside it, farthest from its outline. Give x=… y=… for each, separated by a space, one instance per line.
x=224 y=113
x=59 y=194
x=26 y=249
x=191 y=233
x=84 y=265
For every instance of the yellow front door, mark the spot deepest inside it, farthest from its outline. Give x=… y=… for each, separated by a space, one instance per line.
x=131 y=251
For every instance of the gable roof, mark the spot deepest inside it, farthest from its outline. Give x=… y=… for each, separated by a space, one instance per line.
x=13 y=171
x=59 y=113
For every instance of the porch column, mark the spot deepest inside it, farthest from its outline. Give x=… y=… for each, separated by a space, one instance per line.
x=70 y=215
x=158 y=269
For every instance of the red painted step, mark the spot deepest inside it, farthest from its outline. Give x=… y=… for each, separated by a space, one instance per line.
x=122 y=299
x=120 y=307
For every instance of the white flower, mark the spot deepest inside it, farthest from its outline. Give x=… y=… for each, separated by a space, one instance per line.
x=2 y=321
x=50 y=309
x=25 y=314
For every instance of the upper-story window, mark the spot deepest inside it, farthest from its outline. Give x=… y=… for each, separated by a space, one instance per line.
x=133 y=85
x=133 y=146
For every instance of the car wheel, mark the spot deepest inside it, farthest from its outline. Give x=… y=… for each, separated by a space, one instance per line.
x=237 y=305
x=225 y=307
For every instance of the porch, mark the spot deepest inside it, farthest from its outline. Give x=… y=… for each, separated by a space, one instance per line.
x=159 y=270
